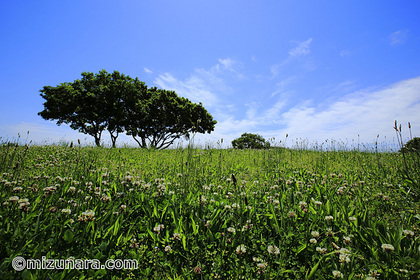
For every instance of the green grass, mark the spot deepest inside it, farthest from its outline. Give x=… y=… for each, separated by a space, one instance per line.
x=284 y=214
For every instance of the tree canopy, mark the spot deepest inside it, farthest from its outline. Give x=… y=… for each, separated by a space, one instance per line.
x=250 y=141
x=118 y=103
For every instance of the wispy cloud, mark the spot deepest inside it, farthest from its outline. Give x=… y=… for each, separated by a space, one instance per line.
x=303 y=48
x=397 y=38
x=203 y=85
x=295 y=54
x=366 y=113
x=147 y=70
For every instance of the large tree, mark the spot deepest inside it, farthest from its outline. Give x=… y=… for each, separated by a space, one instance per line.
x=117 y=103
x=159 y=117
x=91 y=104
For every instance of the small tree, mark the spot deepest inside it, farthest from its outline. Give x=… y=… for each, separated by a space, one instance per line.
x=250 y=141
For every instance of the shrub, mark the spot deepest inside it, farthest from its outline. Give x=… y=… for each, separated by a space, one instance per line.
x=412 y=146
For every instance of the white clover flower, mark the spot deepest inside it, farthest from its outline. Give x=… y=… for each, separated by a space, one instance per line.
x=168 y=249
x=344 y=255
x=313 y=241
x=387 y=247
x=71 y=190
x=236 y=206
x=17 y=189
x=315 y=234
x=227 y=207
x=13 y=199
x=337 y=274
x=231 y=230
x=352 y=219
x=321 y=250
x=318 y=203
x=302 y=204
x=273 y=250
x=177 y=236
x=66 y=211
x=408 y=232
x=261 y=265
x=329 y=218
x=241 y=249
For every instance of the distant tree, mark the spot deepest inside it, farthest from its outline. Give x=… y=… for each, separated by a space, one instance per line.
x=412 y=145
x=91 y=105
x=250 y=141
x=161 y=116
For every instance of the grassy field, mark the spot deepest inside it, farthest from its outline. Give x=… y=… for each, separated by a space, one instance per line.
x=210 y=214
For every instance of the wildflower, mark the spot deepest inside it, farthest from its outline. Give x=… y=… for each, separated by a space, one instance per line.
x=318 y=203
x=273 y=250
x=177 y=236
x=13 y=199
x=352 y=219
x=241 y=249
x=344 y=255
x=291 y=214
x=329 y=218
x=337 y=274
x=346 y=239
x=23 y=202
x=50 y=190
x=321 y=250
x=88 y=215
x=408 y=232
x=105 y=198
x=329 y=232
x=71 y=190
x=159 y=228
x=17 y=189
x=236 y=206
x=197 y=270
x=227 y=207
x=373 y=273
x=302 y=204
x=168 y=249
x=313 y=241
x=231 y=230
x=66 y=211
x=387 y=247
x=255 y=259
x=123 y=207
x=315 y=234
x=261 y=265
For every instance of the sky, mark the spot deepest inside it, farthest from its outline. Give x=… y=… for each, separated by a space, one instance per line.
x=316 y=71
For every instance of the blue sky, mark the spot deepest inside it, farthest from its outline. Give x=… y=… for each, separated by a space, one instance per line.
x=315 y=70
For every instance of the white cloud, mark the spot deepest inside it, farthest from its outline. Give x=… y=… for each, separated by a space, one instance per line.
x=366 y=113
x=302 y=49
x=363 y=113
x=203 y=85
x=147 y=70
x=397 y=37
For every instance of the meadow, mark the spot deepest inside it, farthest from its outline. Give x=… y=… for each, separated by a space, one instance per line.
x=193 y=213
